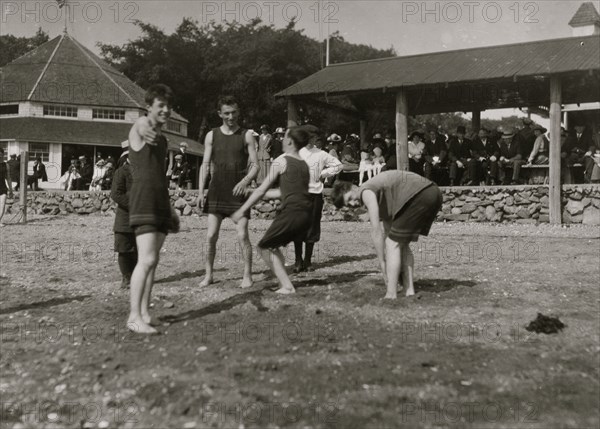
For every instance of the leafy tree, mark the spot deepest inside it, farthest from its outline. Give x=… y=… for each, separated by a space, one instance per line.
x=253 y=62
x=12 y=47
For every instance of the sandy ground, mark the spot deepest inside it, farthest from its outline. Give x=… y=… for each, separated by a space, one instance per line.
x=335 y=355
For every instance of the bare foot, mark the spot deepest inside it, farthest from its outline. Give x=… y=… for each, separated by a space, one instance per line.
x=285 y=291
x=390 y=296
x=207 y=280
x=147 y=319
x=410 y=291
x=246 y=283
x=138 y=326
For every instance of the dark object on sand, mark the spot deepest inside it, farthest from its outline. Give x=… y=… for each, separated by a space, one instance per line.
x=545 y=325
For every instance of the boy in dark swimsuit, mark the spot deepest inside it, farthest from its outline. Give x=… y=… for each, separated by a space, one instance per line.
x=229 y=151
x=150 y=213
x=294 y=217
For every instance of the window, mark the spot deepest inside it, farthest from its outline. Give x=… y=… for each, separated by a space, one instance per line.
x=9 y=109
x=4 y=145
x=174 y=127
x=39 y=149
x=117 y=114
x=68 y=111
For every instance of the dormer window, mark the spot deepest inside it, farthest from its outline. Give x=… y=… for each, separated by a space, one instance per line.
x=114 y=114
x=55 y=110
x=174 y=127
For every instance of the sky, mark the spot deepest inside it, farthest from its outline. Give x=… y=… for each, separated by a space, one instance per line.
x=410 y=27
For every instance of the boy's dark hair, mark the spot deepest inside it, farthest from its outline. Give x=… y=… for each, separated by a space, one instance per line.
x=158 y=91
x=340 y=188
x=227 y=100
x=299 y=136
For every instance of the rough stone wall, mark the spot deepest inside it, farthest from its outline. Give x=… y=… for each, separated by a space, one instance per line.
x=521 y=204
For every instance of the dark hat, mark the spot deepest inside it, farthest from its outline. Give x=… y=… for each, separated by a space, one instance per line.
x=527 y=121
x=264 y=127
x=417 y=133
x=508 y=133
x=14 y=155
x=540 y=128
x=461 y=130
x=311 y=129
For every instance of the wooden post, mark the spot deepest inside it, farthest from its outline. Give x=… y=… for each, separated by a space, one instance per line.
x=293 y=116
x=401 y=130
x=555 y=116
x=476 y=121
x=363 y=131
x=23 y=186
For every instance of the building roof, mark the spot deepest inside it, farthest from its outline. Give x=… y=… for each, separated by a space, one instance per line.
x=585 y=15
x=62 y=70
x=461 y=66
x=50 y=130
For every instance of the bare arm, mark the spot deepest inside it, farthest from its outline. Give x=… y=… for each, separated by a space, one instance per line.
x=276 y=170
x=205 y=167
x=377 y=232
x=239 y=189
x=141 y=133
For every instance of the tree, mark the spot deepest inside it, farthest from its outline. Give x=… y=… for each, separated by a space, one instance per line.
x=253 y=62
x=12 y=47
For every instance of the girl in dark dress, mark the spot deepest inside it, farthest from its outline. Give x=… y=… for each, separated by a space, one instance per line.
x=294 y=217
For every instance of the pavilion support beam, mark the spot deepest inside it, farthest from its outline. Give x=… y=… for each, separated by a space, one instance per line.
x=476 y=121
x=555 y=117
x=293 y=115
x=363 y=131
x=402 y=130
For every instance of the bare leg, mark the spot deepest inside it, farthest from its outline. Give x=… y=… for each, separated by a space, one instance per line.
x=244 y=240
x=274 y=259
x=2 y=204
x=408 y=263
x=148 y=250
x=392 y=264
x=212 y=235
x=145 y=308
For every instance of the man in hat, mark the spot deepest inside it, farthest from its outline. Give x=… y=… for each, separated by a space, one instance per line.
x=435 y=155
x=321 y=166
x=180 y=172
x=39 y=173
x=459 y=153
x=511 y=156
x=183 y=152
x=580 y=145
x=484 y=159
x=124 y=242
x=14 y=167
x=86 y=171
x=526 y=136
x=276 y=149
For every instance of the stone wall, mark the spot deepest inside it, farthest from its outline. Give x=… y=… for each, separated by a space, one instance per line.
x=520 y=204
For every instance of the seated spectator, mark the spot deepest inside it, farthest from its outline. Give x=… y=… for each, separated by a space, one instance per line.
x=416 y=149
x=69 y=179
x=332 y=148
x=435 y=156
x=540 y=153
x=511 y=156
x=349 y=156
x=459 y=154
x=365 y=166
x=378 y=160
x=526 y=136
x=483 y=166
x=592 y=161
x=179 y=175
x=86 y=173
x=99 y=171
x=578 y=144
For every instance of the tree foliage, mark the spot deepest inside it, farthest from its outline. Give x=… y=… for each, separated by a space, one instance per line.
x=12 y=47
x=253 y=62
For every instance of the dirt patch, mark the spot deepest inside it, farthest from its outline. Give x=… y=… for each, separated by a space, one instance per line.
x=335 y=355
